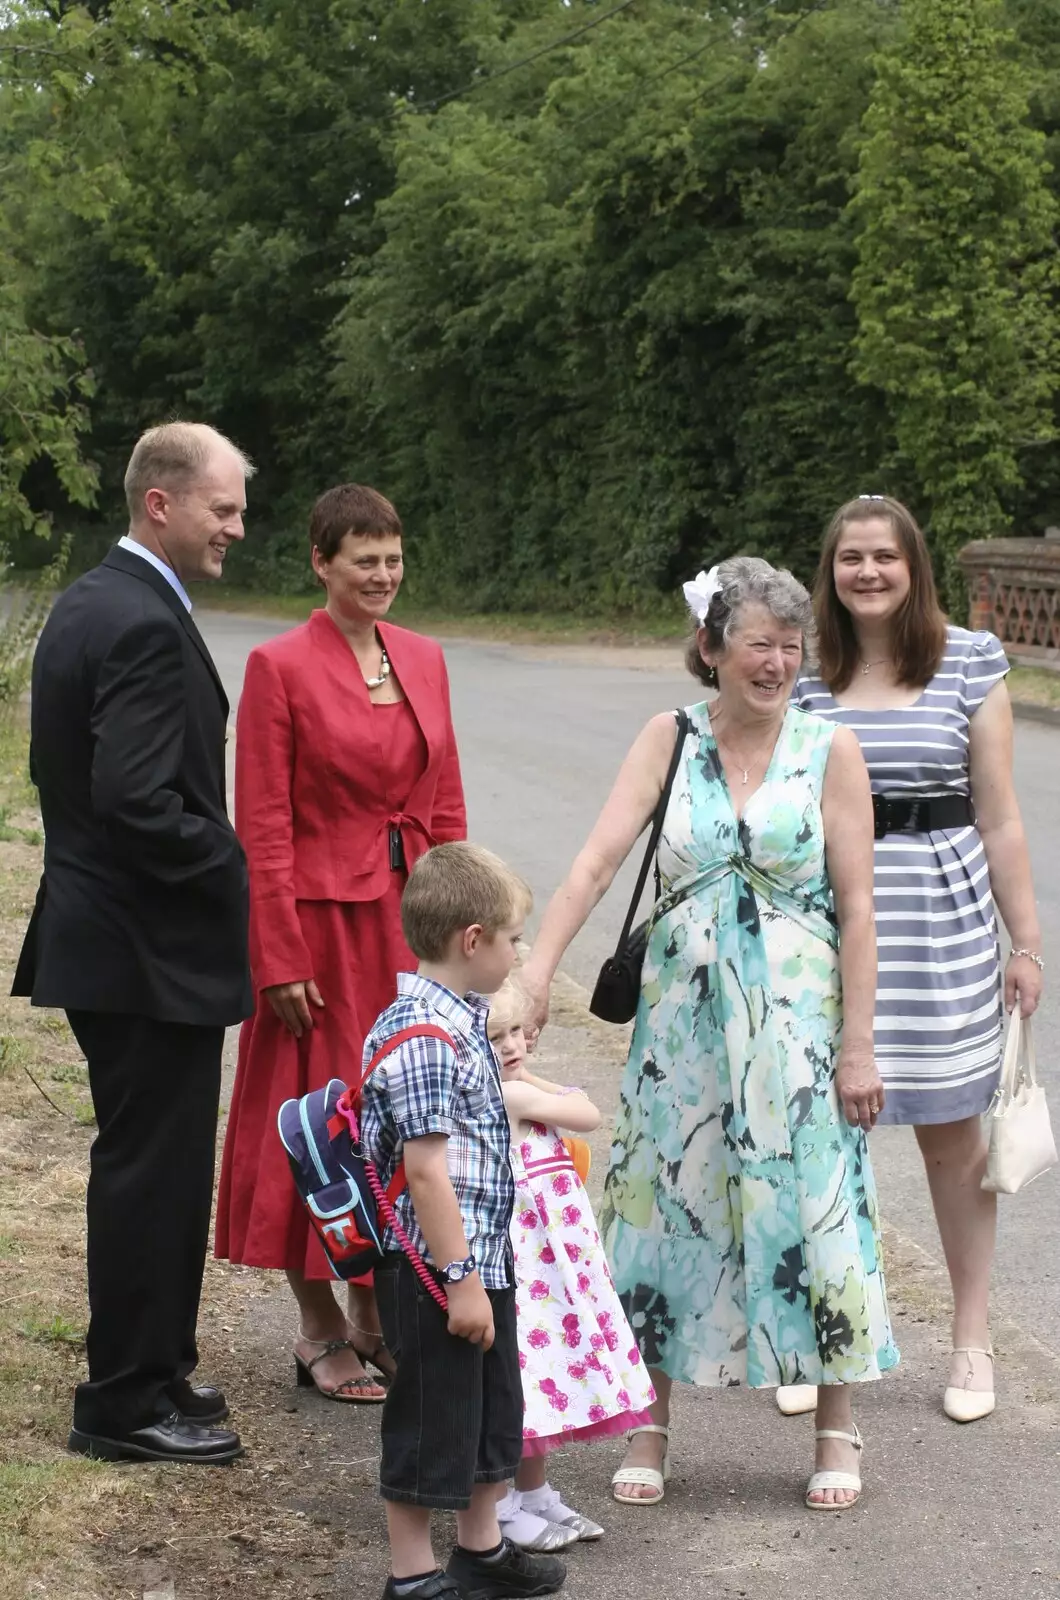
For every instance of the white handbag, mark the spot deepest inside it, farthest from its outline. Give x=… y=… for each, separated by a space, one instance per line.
x=1021 y=1139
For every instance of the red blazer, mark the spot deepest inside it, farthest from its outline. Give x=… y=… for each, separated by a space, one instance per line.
x=310 y=803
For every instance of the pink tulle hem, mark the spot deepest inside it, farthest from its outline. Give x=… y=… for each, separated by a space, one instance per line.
x=544 y=1444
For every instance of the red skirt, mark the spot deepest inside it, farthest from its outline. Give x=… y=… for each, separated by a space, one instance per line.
x=357 y=949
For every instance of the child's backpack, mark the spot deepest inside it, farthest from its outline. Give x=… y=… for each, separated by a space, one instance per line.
x=340 y=1187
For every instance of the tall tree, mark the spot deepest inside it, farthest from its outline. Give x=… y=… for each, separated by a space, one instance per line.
x=957 y=268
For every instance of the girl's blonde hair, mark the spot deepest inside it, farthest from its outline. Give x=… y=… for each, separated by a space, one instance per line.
x=508 y=1008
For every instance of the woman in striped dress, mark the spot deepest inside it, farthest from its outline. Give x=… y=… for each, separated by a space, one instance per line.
x=931 y=710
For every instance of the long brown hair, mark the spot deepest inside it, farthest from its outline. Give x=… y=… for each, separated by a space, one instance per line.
x=920 y=626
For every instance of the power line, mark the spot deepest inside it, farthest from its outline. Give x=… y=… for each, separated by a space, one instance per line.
x=524 y=61
x=692 y=55
x=674 y=66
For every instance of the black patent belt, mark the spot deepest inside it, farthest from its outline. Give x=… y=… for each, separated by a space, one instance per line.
x=895 y=813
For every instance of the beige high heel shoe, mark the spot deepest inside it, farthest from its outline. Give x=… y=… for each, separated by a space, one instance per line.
x=644 y=1477
x=793 y=1399
x=836 y=1480
x=962 y=1404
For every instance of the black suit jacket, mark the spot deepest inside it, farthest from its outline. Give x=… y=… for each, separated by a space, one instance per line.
x=143 y=904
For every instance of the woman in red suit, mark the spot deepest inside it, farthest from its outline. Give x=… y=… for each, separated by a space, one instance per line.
x=346 y=772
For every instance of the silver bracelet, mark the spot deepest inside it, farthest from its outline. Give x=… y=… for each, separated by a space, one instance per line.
x=1032 y=955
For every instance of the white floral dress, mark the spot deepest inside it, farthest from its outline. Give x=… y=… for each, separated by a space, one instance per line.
x=583 y=1377
x=740 y=1208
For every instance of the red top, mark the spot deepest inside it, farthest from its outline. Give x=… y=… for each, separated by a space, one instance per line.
x=322 y=775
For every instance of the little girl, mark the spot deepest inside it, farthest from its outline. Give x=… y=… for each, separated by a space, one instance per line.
x=582 y=1373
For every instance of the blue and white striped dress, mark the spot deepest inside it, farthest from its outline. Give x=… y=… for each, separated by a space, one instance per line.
x=938 y=999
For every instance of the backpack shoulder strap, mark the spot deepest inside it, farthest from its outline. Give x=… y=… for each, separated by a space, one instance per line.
x=418 y=1030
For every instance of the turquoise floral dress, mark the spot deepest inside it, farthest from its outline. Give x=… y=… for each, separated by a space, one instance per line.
x=740 y=1208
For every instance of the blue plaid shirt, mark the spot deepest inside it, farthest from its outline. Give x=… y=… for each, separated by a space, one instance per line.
x=425 y=1087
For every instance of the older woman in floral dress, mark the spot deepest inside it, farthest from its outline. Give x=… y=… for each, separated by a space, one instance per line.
x=740 y=1208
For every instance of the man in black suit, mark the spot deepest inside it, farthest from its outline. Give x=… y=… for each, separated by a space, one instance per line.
x=140 y=931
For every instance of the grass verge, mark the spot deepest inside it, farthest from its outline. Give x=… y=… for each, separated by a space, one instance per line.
x=1033 y=685
x=69 y=1527
x=1036 y=686
x=517 y=627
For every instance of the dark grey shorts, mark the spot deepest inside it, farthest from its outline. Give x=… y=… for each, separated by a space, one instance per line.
x=453 y=1415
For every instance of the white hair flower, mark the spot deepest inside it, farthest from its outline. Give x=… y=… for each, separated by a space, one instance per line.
x=700 y=592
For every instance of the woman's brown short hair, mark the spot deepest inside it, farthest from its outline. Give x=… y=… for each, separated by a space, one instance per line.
x=920 y=627
x=350 y=508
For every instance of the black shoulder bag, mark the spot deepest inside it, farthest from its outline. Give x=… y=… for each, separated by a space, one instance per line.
x=618 y=986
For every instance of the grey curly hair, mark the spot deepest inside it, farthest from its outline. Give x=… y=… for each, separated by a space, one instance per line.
x=747 y=580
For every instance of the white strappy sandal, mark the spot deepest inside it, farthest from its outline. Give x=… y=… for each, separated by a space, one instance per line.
x=643 y=1477
x=836 y=1480
x=968 y=1405
x=793 y=1399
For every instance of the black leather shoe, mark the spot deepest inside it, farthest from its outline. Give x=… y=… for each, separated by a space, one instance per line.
x=202 y=1403
x=175 y=1439
x=513 y=1572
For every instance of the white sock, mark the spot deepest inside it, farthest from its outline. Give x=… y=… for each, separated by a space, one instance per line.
x=516 y=1523
x=546 y=1502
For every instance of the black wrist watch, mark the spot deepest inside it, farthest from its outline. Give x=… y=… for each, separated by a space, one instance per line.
x=457 y=1271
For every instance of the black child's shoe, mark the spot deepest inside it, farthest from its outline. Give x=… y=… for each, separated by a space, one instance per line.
x=514 y=1572
x=438 y=1586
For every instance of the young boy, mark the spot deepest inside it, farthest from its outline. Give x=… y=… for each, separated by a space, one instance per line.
x=453 y=1419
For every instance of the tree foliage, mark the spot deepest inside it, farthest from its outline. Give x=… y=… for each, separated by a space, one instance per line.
x=957 y=266
x=595 y=292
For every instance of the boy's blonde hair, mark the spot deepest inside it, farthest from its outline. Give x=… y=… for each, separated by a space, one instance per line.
x=453 y=887
x=508 y=1008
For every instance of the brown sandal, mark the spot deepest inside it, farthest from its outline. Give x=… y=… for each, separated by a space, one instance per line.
x=353 y=1390
x=371 y=1356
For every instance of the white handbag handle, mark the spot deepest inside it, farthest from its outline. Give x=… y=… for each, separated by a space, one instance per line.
x=1018 y=1066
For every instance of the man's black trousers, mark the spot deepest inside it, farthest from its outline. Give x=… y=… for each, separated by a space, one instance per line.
x=155 y=1087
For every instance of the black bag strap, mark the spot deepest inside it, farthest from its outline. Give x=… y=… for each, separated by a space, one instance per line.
x=656 y=831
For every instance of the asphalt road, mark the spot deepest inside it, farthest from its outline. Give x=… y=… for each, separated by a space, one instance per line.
x=542 y=732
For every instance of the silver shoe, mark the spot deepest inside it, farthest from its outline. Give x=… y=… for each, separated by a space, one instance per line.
x=583 y=1526
x=553 y=1536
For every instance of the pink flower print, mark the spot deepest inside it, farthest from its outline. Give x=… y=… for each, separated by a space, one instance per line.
x=571 y=1216
x=547 y=1385
x=528 y=1218
x=526 y=1150
x=584 y=1283
x=561 y=1184
x=574 y=1251
x=522 y=1358
x=633 y=1357
x=593 y=1360
x=568 y=1297
x=529 y=1433
x=559 y=1401
x=597 y=1414
x=542 y=1209
x=538 y=1290
x=571 y=1334
x=547 y=1256
x=597 y=1341
x=612 y=1340
x=537 y=1339
x=623 y=1399
x=576 y=1370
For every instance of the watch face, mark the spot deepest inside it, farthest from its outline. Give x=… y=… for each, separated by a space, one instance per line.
x=457 y=1271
